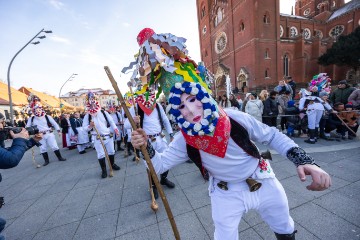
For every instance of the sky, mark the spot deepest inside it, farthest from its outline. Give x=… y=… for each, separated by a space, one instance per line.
x=87 y=35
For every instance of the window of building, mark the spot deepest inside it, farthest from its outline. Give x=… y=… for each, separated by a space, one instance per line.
x=281 y=31
x=286 y=65
x=293 y=32
x=242 y=26
x=204 y=29
x=318 y=33
x=307 y=33
x=220 y=42
x=336 y=31
x=307 y=12
x=267 y=73
x=219 y=15
x=266 y=18
x=206 y=53
x=203 y=11
x=267 y=53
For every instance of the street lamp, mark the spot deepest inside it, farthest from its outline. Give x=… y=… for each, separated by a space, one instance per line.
x=8 y=72
x=69 y=79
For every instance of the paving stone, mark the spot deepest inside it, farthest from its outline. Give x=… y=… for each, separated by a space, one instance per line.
x=249 y=234
x=189 y=179
x=99 y=227
x=15 y=210
x=31 y=193
x=188 y=225
x=324 y=224
x=104 y=203
x=147 y=233
x=198 y=195
x=63 y=232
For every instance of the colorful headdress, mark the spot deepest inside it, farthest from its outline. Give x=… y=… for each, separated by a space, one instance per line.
x=128 y=99
x=163 y=62
x=319 y=83
x=111 y=105
x=91 y=103
x=35 y=105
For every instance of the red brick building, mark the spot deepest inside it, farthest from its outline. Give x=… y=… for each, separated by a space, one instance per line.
x=256 y=45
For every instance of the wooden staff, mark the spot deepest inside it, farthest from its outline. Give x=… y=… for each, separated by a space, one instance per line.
x=345 y=124
x=137 y=159
x=33 y=159
x=105 y=151
x=146 y=156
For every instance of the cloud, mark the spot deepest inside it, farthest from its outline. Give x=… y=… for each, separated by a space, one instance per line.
x=57 y=4
x=125 y=24
x=60 y=39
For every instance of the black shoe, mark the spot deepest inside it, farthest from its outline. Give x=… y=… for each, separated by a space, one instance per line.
x=120 y=149
x=167 y=182
x=309 y=141
x=156 y=194
x=129 y=153
x=134 y=158
x=104 y=174
x=82 y=152
x=351 y=137
x=58 y=155
x=115 y=167
x=46 y=158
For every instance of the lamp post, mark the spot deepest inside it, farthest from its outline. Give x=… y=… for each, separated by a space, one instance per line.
x=8 y=72
x=69 y=79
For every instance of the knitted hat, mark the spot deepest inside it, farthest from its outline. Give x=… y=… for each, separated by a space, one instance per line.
x=342 y=82
x=291 y=103
x=349 y=105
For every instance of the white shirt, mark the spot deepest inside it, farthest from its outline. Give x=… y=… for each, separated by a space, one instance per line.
x=41 y=123
x=237 y=165
x=151 y=123
x=100 y=123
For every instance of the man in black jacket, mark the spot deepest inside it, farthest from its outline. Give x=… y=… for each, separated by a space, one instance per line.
x=271 y=110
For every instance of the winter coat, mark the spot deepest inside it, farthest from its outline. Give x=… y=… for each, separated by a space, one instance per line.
x=295 y=118
x=284 y=88
x=11 y=157
x=255 y=108
x=270 y=107
x=341 y=95
x=282 y=100
x=355 y=98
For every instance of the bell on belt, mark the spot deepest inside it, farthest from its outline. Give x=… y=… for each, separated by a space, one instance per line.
x=253 y=184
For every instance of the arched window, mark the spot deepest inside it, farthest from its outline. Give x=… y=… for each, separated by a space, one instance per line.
x=220 y=14
x=242 y=26
x=215 y=21
x=286 y=65
x=203 y=11
x=267 y=53
x=267 y=73
x=266 y=18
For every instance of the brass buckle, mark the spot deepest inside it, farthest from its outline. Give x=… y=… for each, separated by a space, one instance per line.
x=223 y=185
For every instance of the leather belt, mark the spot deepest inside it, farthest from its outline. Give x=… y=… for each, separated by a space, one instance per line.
x=45 y=132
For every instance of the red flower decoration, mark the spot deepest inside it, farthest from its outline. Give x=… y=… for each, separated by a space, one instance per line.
x=144 y=35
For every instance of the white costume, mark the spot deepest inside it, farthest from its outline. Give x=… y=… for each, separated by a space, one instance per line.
x=104 y=131
x=235 y=168
x=48 y=139
x=76 y=129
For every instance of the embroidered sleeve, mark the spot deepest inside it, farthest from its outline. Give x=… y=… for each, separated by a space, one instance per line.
x=150 y=149
x=299 y=157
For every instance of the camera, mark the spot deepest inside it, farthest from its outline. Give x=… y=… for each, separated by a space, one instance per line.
x=31 y=130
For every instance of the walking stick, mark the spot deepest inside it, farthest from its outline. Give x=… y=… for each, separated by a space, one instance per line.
x=33 y=159
x=105 y=151
x=137 y=159
x=345 y=124
x=146 y=156
x=154 y=206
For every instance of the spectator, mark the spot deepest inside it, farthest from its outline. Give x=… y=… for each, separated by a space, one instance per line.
x=334 y=122
x=292 y=84
x=354 y=97
x=225 y=102
x=350 y=117
x=254 y=107
x=282 y=87
x=263 y=95
x=240 y=101
x=234 y=103
x=325 y=97
x=2 y=132
x=11 y=157
x=292 y=118
x=283 y=100
x=245 y=102
x=342 y=93
x=271 y=110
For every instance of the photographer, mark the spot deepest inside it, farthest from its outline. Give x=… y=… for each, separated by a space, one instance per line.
x=2 y=132
x=11 y=157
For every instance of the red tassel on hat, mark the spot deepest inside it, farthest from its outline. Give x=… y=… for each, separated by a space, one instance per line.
x=144 y=35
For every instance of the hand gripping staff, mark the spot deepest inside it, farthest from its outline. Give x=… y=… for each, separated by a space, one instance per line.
x=146 y=155
x=105 y=151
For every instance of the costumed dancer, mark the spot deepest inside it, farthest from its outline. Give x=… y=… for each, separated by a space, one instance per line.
x=314 y=105
x=78 y=134
x=220 y=142
x=152 y=118
x=118 y=120
x=104 y=124
x=127 y=139
x=45 y=124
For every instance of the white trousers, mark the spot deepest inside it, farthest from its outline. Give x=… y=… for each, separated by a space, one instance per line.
x=81 y=147
x=229 y=206
x=109 y=145
x=48 y=140
x=314 y=117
